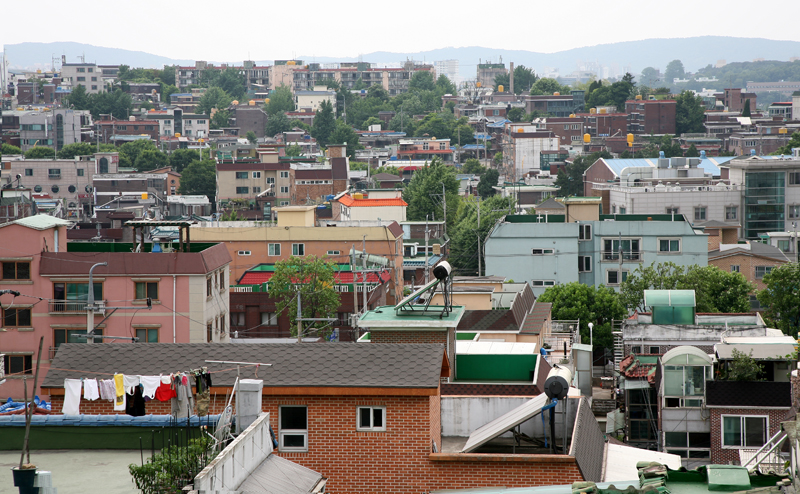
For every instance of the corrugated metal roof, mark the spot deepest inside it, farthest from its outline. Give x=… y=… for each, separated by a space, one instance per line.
x=341 y=277
x=709 y=165
x=505 y=422
x=278 y=475
x=621 y=461
x=39 y=222
x=768 y=351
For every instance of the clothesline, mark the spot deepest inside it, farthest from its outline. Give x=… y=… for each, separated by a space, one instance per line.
x=112 y=373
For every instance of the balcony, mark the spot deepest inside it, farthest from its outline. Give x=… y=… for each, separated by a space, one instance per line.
x=613 y=255
x=73 y=306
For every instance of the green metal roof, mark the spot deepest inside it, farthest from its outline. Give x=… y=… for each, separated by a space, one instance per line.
x=669 y=298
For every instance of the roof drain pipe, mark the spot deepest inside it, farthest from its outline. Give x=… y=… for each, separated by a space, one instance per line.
x=174 y=279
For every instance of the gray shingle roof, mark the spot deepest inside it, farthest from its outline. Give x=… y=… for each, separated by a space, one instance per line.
x=377 y=365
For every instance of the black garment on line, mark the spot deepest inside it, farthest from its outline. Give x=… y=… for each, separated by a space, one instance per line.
x=134 y=403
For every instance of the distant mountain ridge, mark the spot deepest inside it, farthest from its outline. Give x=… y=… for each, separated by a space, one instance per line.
x=695 y=53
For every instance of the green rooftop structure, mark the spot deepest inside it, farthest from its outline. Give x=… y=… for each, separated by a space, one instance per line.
x=671 y=306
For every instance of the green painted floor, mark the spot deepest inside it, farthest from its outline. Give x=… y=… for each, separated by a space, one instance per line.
x=77 y=471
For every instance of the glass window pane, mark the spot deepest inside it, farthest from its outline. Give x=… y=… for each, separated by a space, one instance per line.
x=140 y=291
x=675 y=439
x=363 y=417
x=663 y=245
x=293 y=418
x=755 y=431
x=377 y=417
x=695 y=381
x=731 y=431
x=9 y=271
x=152 y=290
x=674 y=245
x=700 y=439
x=673 y=381
x=294 y=440
x=699 y=454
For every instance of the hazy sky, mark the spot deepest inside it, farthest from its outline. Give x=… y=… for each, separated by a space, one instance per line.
x=267 y=30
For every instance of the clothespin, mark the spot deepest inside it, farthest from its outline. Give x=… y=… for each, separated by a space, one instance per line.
x=257 y=366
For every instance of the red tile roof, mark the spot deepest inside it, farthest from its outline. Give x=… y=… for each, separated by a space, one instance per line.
x=632 y=368
x=350 y=202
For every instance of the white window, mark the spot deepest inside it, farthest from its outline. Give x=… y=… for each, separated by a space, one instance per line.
x=284 y=203
x=256 y=174
x=673 y=210
x=334 y=252
x=298 y=249
x=371 y=419
x=293 y=428
x=269 y=318
x=542 y=252
x=270 y=180
x=669 y=245
x=244 y=252
x=735 y=268
x=274 y=249
x=284 y=174
x=628 y=247
x=543 y=283
x=731 y=213
x=256 y=190
x=613 y=276
x=743 y=431
x=622 y=210
x=584 y=232
x=794 y=211
x=284 y=189
x=700 y=214
x=761 y=271
x=785 y=245
x=584 y=264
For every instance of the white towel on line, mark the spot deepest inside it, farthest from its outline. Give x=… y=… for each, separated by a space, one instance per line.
x=90 y=389
x=72 y=397
x=150 y=384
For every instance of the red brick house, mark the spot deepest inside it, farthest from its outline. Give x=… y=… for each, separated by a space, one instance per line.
x=365 y=416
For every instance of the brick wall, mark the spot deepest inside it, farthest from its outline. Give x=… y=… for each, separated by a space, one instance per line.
x=747 y=266
x=722 y=456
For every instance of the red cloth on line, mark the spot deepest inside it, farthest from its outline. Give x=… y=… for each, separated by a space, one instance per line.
x=165 y=392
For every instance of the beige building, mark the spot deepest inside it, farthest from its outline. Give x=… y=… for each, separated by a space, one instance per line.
x=373 y=206
x=82 y=74
x=257 y=181
x=311 y=100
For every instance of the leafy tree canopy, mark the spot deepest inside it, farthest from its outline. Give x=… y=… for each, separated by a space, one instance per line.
x=422 y=81
x=598 y=305
x=278 y=123
x=488 y=181
x=181 y=158
x=781 y=297
x=200 y=178
x=9 y=149
x=251 y=136
x=324 y=123
x=546 y=85
x=473 y=166
x=214 y=97
x=39 y=153
x=466 y=234
x=794 y=142
x=344 y=134
x=280 y=100
x=571 y=180
x=312 y=279
x=689 y=113
x=423 y=193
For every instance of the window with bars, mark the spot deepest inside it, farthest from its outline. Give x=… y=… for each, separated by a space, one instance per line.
x=16 y=270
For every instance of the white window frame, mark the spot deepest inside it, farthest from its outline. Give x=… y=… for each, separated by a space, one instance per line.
x=731 y=209
x=543 y=283
x=284 y=189
x=698 y=209
x=673 y=210
x=736 y=268
x=297 y=248
x=767 y=270
x=274 y=250
x=334 y=252
x=584 y=232
x=743 y=431
x=794 y=211
x=256 y=174
x=271 y=318
x=371 y=428
x=282 y=433
x=243 y=253
x=584 y=264
x=542 y=252
x=284 y=174
x=620 y=276
x=669 y=241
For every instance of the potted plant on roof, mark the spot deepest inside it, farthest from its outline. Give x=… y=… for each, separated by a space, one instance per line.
x=25 y=474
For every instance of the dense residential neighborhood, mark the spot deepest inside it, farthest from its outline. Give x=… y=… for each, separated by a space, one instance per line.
x=357 y=277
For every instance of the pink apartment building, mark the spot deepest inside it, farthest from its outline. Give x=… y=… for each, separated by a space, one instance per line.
x=189 y=293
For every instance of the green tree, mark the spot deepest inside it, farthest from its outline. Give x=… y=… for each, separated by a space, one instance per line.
x=181 y=158
x=344 y=134
x=445 y=86
x=570 y=180
x=78 y=98
x=220 y=119
x=516 y=114
x=746 y=109
x=130 y=151
x=689 y=113
x=294 y=150
x=372 y=121
x=466 y=234
x=473 y=166
x=546 y=85
x=214 y=97
x=313 y=280
x=794 y=142
x=200 y=178
x=232 y=82
x=674 y=71
x=487 y=182
x=497 y=159
x=150 y=159
x=324 y=124
x=423 y=193
x=69 y=151
x=743 y=367
x=9 y=149
x=422 y=81
x=669 y=148
x=166 y=91
x=524 y=79
x=692 y=152
x=280 y=100
x=649 y=76
x=278 y=123
x=40 y=153
x=781 y=296
x=715 y=290
x=598 y=305
x=251 y=136
x=167 y=75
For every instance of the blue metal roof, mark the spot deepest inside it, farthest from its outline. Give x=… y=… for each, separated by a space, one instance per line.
x=482 y=137
x=473 y=146
x=499 y=123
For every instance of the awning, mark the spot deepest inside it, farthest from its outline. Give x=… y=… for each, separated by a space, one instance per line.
x=669 y=298
x=765 y=351
x=634 y=384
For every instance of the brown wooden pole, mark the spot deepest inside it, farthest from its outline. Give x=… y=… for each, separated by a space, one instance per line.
x=29 y=410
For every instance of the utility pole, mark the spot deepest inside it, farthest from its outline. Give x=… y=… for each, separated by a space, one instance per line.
x=444 y=208
x=90 y=301
x=364 y=271
x=426 y=249
x=619 y=280
x=479 y=235
x=299 y=319
x=353 y=268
